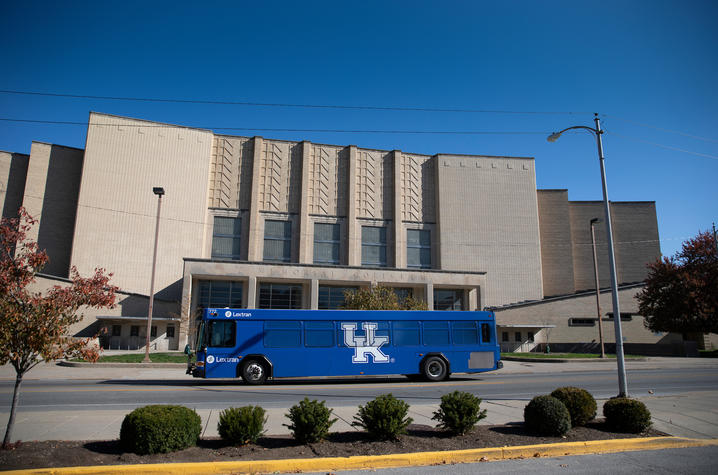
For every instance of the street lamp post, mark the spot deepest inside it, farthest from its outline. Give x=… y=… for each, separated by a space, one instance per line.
x=598 y=287
x=159 y=191
x=622 y=387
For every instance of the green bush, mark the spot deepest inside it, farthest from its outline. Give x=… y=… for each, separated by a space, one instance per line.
x=310 y=421
x=159 y=429
x=241 y=425
x=579 y=402
x=546 y=415
x=385 y=418
x=626 y=415
x=459 y=412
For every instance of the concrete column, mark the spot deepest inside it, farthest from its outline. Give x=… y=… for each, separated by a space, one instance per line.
x=35 y=185
x=185 y=312
x=399 y=236
x=436 y=244
x=314 y=294
x=471 y=299
x=252 y=292
x=429 y=295
x=353 y=228
x=255 y=241
x=305 y=232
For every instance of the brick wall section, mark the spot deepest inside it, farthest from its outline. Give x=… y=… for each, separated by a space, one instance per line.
x=556 y=247
x=124 y=160
x=488 y=221
x=13 y=171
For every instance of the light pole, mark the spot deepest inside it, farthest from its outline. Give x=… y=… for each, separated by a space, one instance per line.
x=159 y=191
x=622 y=387
x=598 y=291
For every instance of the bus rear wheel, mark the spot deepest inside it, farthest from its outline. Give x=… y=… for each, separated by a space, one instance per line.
x=254 y=372
x=435 y=369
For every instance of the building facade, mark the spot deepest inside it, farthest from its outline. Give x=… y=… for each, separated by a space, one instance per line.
x=261 y=223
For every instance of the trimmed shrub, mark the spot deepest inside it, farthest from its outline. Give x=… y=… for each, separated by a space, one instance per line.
x=626 y=415
x=546 y=415
x=384 y=418
x=310 y=421
x=160 y=429
x=459 y=412
x=579 y=402
x=241 y=425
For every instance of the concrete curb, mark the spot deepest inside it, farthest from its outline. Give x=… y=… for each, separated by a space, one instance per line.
x=565 y=360
x=76 y=364
x=387 y=461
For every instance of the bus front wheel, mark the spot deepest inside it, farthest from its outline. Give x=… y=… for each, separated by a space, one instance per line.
x=254 y=372
x=435 y=369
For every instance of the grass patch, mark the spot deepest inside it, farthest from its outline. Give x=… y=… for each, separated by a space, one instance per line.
x=174 y=357
x=568 y=356
x=708 y=353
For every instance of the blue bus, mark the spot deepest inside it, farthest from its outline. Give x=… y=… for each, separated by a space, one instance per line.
x=257 y=345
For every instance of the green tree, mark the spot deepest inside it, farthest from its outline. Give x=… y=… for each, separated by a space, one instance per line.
x=681 y=293
x=380 y=298
x=34 y=326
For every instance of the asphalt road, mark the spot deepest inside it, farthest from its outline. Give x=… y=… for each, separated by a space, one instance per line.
x=111 y=394
x=697 y=460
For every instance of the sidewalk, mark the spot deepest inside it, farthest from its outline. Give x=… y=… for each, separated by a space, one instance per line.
x=692 y=415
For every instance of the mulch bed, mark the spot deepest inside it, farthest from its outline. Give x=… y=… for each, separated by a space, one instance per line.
x=341 y=444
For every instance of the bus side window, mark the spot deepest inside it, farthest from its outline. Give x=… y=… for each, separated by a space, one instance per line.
x=282 y=334
x=406 y=333
x=318 y=334
x=485 y=333
x=465 y=333
x=222 y=333
x=436 y=333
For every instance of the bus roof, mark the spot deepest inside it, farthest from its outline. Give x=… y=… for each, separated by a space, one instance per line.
x=276 y=314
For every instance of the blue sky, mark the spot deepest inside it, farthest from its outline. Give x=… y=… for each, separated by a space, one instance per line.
x=649 y=68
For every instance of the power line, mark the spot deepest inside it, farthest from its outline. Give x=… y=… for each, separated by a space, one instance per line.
x=640 y=124
x=280 y=104
x=667 y=147
x=260 y=129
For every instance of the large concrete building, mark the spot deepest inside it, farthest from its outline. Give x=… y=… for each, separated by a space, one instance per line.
x=260 y=223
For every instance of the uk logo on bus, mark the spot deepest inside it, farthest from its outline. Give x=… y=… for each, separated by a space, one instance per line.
x=369 y=344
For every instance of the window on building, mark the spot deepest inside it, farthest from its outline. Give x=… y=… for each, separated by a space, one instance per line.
x=402 y=293
x=153 y=331
x=116 y=330
x=418 y=248
x=504 y=336
x=530 y=336
x=373 y=246
x=625 y=317
x=222 y=333
x=581 y=322
x=226 y=237
x=170 y=331
x=318 y=334
x=331 y=297
x=220 y=294
x=448 y=299
x=517 y=337
x=326 y=243
x=286 y=296
x=282 y=334
x=135 y=330
x=277 y=241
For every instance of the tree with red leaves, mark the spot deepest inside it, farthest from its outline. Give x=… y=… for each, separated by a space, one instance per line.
x=34 y=326
x=681 y=293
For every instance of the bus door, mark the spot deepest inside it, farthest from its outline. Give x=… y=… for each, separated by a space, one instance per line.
x=221 y=353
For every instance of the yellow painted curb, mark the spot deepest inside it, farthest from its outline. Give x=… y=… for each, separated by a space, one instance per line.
x=384 y=461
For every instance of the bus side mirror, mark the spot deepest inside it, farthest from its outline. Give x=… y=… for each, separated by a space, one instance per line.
x=187 y=350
